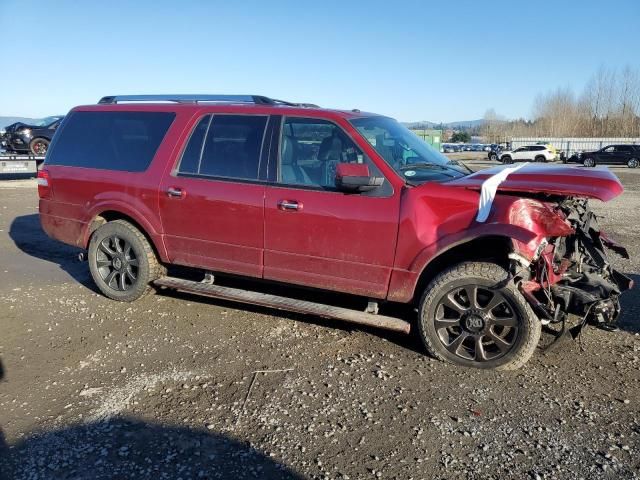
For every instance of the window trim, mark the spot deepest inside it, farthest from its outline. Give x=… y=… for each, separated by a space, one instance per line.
x=258 y=180
x=276 y=183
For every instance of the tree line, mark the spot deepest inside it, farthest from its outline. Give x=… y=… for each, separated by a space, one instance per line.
x=608 y=106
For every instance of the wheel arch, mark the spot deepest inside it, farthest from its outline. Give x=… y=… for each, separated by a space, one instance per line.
x=493 y=248
x=109 y=215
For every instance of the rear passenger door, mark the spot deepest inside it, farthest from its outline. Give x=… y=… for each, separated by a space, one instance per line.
x=623 y=153
x=212 y=202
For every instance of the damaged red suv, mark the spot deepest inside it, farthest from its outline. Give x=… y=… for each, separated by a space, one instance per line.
x=295 y=195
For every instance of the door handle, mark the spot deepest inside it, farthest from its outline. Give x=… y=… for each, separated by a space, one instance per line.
x=176 y=192
x=289 y=205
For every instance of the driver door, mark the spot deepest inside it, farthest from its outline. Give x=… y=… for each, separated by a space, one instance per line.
x=520 y=154
x=316 y=235
x=606 y=155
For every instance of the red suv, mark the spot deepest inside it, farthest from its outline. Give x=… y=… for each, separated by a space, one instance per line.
x=345 y=201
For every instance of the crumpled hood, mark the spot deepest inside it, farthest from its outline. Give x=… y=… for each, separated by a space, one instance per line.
x=564 y=180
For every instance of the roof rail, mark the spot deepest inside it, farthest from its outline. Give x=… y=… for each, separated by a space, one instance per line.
x=189 y=98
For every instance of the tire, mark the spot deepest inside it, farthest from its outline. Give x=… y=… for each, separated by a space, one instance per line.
x=633 y=163
x=491 y=284
x=493 y=157
x=507 y=159
x=588 y=162
x=109 y=270
x=39 y=146
x=540 y=158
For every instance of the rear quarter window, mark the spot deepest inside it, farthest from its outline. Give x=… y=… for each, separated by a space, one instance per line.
x=123 y=141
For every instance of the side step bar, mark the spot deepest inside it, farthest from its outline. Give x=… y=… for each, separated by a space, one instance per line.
x=284 y=303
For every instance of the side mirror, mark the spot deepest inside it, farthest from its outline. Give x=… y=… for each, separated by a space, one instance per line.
x=355 y=178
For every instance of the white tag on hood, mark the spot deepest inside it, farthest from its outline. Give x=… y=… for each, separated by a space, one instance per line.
x=489 y=189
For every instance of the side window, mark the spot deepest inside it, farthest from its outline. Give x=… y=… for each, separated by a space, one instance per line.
x=310 y=149
x=624 y=148
x=116 y=140
x=609 y=149
x=225 y=146
x=190 y=162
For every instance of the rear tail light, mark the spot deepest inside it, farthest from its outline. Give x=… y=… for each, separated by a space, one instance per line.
x=44 y=184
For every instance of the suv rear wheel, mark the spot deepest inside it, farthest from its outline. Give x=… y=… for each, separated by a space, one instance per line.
x=540 y=158
x=473 y=315
x=633 y=163
x=122 y=262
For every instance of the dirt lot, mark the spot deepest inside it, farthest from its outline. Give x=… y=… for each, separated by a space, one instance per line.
x=176 y=386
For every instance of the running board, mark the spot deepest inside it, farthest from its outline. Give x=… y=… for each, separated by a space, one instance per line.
x=284 y=303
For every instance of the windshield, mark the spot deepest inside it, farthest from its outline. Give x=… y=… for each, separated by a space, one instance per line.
x=43 y=122
x=413 y=159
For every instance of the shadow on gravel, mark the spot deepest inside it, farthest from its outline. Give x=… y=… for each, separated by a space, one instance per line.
x=27 y=234
x=629 y=320
x=130 y=449
x=411 y=342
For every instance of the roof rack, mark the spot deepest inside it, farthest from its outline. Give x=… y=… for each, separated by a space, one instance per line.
x=188 y=98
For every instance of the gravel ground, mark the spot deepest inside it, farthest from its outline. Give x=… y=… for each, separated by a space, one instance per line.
x=176 y=386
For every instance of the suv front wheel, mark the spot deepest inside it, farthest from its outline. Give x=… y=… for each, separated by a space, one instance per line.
x=122 y=262
x=473 y=315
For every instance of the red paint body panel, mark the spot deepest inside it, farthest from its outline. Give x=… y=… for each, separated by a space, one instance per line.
x=217 y=225
x=360 y=244
x=566 y=180
x=335 y=241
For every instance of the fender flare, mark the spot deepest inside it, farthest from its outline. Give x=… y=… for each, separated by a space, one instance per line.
x=404 y=283
x=125 y=209
x=433 y=251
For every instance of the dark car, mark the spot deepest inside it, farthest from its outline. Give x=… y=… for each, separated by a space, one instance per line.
x=494 y=152
x=33 y=138
x=628 y=155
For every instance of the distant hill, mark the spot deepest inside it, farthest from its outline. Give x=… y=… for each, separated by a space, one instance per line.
x=454 y=125
x=4 y=121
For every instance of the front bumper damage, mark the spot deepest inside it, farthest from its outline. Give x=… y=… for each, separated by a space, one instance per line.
x=569 y=273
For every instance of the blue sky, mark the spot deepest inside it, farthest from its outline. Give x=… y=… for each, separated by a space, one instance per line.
x=413 y=60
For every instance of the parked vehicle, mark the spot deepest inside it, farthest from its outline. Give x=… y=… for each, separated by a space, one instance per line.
x=550 y=147
x=31 y=138
x=628 y=155
x=449 y=148
x=527 y=153
x=494 y=152
x=333 y=200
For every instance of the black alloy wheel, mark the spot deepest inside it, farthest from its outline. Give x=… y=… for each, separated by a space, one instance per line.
x=122 y=262
x=476 y=323
x=117 y=263
x=472 y=314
